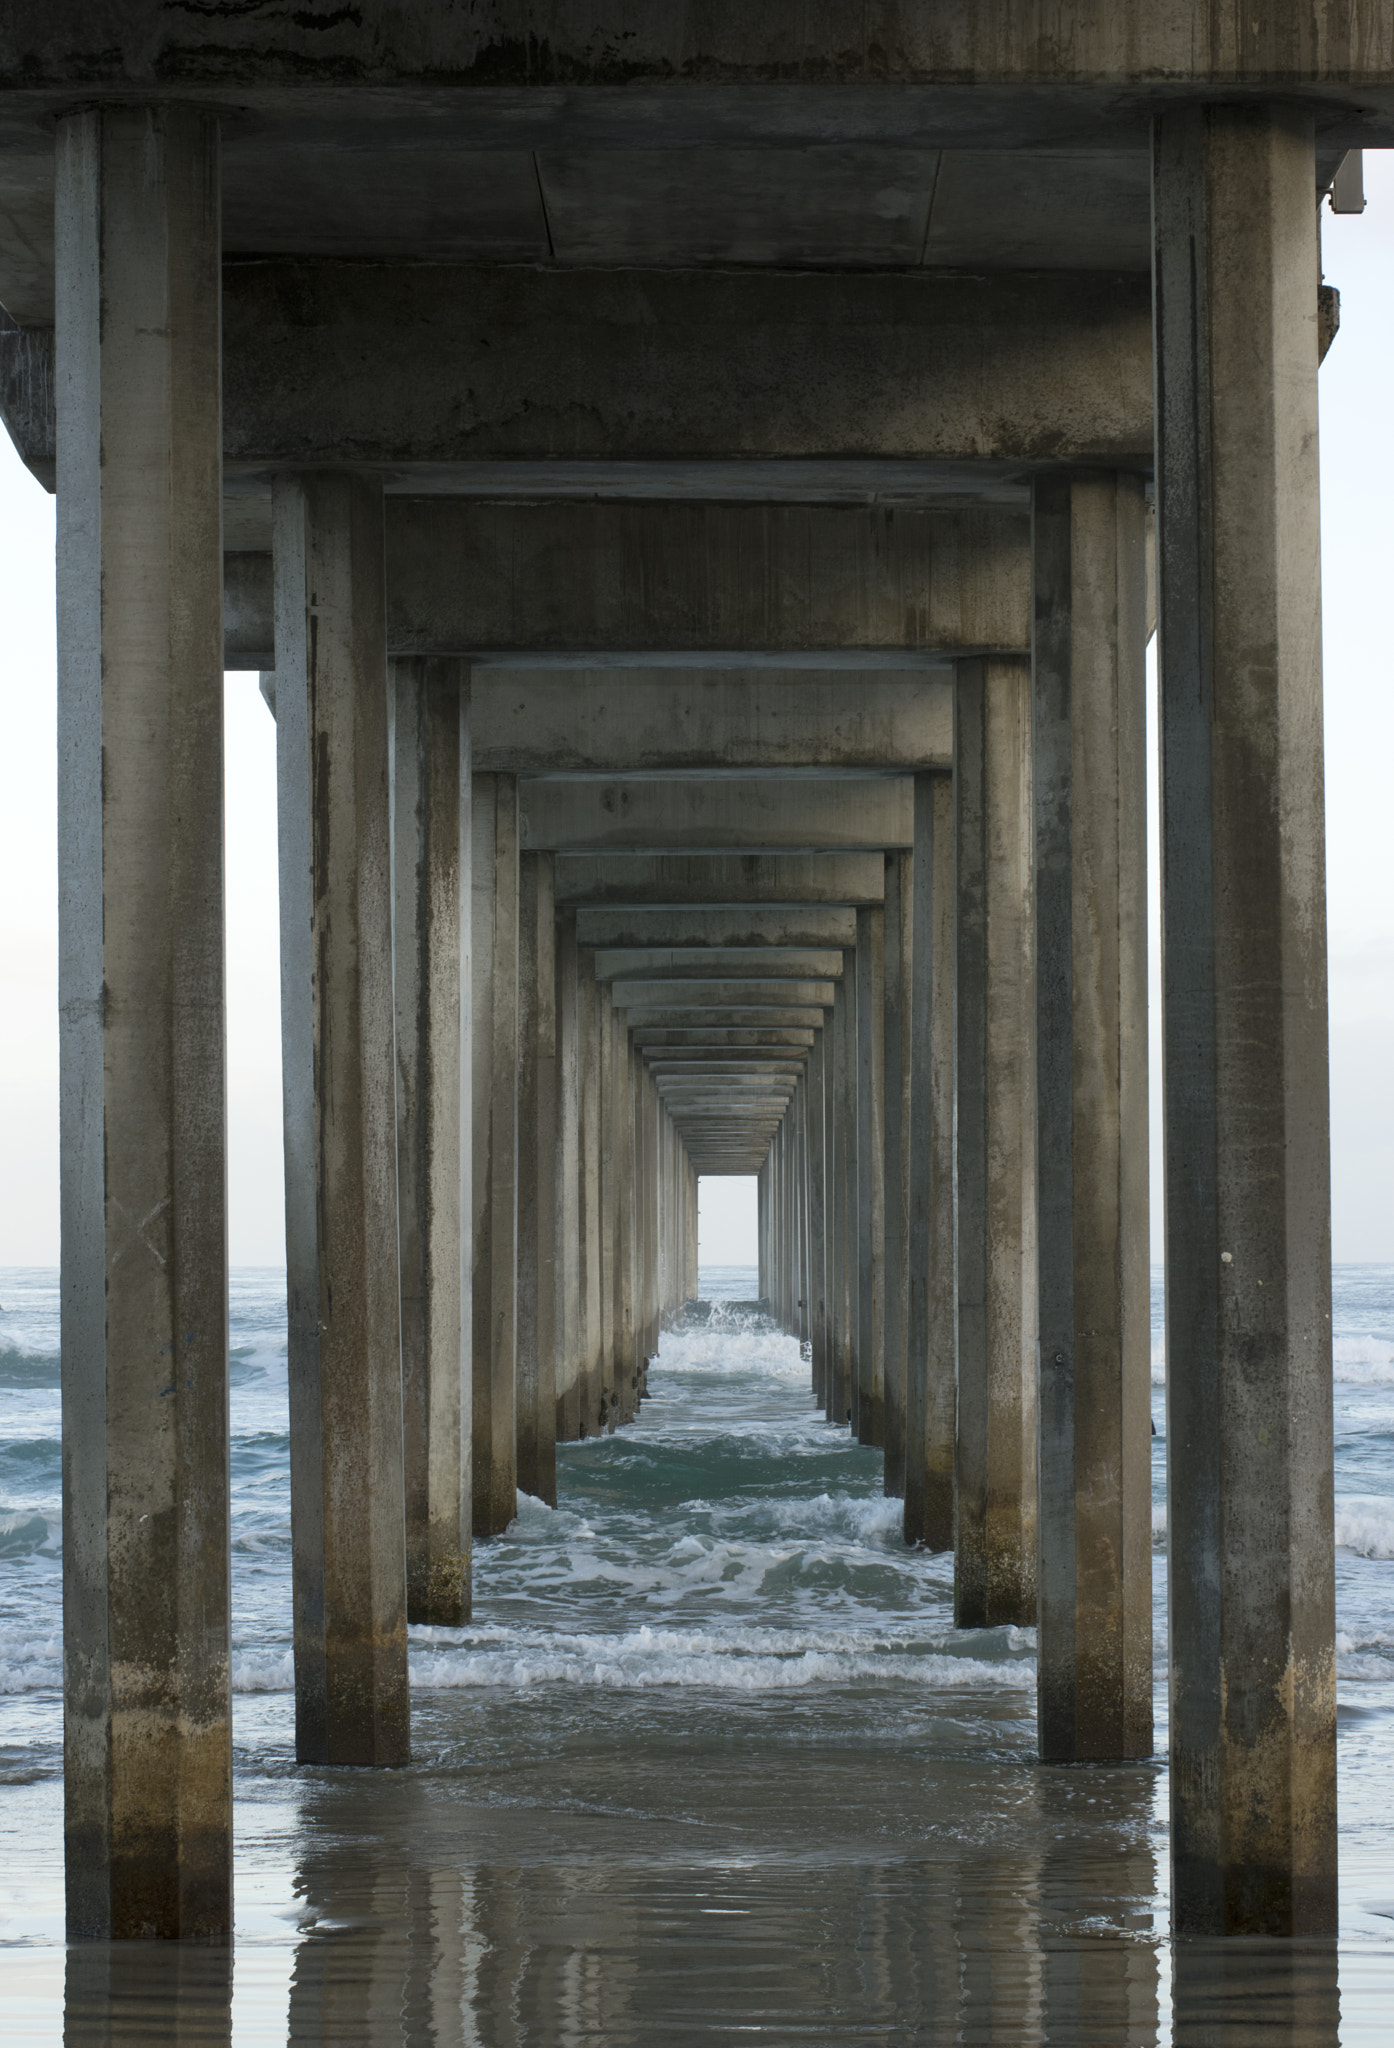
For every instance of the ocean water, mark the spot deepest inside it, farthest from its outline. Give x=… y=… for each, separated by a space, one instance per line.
x=711 y=1764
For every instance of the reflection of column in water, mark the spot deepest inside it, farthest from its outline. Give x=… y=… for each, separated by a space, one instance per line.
x=999 y=1962
x=1252 y=1993
x=398 y=1962
x=1098 y=1890
x=128 y=1994
x=441 y=2002
x=558 y=1949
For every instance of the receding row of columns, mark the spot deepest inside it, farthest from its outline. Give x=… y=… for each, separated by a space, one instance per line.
x=490 y=1190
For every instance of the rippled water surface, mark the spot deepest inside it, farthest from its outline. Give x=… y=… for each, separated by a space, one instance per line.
x=711 y=1765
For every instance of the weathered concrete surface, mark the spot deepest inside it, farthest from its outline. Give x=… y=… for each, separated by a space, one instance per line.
x=869 y=1384
x=570 y=1291
x=494 y=883
x=719 y=995
x=931 y=1397
x=730 y=964
x=338 y=1059
x=1089 y=784
x=995 y=1462
x=537 y=1180
x=711 y=879
x=373 y=360
x=714 y=816
x=764 y=924
x=899 y=988
x=614 y=722
x=588 y=1042
x=1253 y=1699
x=633 y=579
x=147 y=1712
x=432 y=847
x=1155 y=51
x=691 y=584
x=718 y=1037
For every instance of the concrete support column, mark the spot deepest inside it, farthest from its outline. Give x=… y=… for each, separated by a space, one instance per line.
x=588 y=1029
x=871 y=1172
x=1253 y=1699
x=537 y=1179
x=1089 y=778
x=339 y=1087
x=995 y=1533
x=845 y=1111
x=899 y=920
x=431 y=849
x=570 y=1287
x=495 y=890
x=625 y=1374
x=609 y=1202
x=147 y=1728
x=931 y=1394
x=817 y=1221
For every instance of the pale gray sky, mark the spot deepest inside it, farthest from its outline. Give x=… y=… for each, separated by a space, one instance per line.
x=1357 y=423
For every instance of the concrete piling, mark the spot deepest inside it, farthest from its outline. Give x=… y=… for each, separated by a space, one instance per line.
x=147 y=1713
x=494 y=946
x=339 y=1087
x=995 y=1459
x=1249 y=1431
x=432 y=839
x=1090 y=859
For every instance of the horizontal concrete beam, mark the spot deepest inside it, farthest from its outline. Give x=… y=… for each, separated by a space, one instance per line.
x=766 y=924
x=418 y=366
x=528 y=75
x=693 y=582
x=761 y=1016
x=712 y=963
x=658 y=1044
x=721 y=995
x=710 y=881
x=771 y=1063
x=616 y=722
x=716 y=816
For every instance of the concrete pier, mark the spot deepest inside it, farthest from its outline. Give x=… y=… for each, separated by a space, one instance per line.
x=1244 y=940
x=494 y=945
x=147 y=1713
x=995 y=1458
x=931 y=1386
x=537 y=1180
x=432 y=843
x=1089 y=784
x=339 y=1087
x=755 y=790
x=899 y=995
x=871 y=1177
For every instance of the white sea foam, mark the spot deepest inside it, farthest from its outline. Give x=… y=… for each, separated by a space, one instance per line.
x=749 y=1660
x=263 y=1670
x=732 y=1347
x=1366 y=1524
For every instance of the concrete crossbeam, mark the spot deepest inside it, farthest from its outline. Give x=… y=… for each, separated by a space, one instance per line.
x=661 y=366
x=712 y=880
x=719 y=995
x=687 y=583
x=705 y=816
x=761 y=1016
x=717 y=1037
x=704 y=964
x=760 y=925
x=603 y=721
